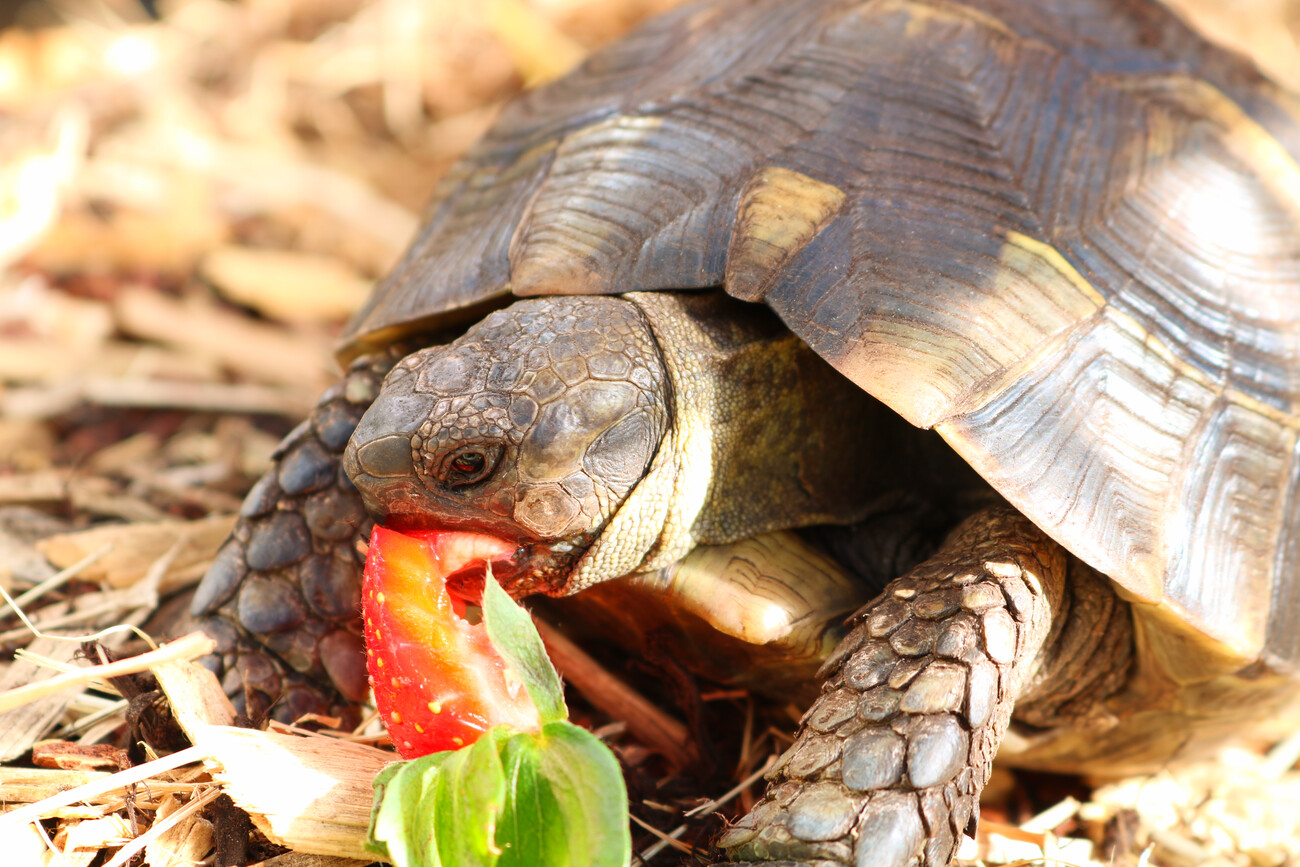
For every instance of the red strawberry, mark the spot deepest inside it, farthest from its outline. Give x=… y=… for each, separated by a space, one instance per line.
x=438 y=682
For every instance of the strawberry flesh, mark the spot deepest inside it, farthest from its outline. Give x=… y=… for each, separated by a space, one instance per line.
x=438 y=682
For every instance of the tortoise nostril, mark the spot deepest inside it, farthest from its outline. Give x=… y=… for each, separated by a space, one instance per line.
x=387 y=457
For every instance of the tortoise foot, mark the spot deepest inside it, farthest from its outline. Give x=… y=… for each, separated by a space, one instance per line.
x=283 y=595
x=889 y=762
x=262 y=686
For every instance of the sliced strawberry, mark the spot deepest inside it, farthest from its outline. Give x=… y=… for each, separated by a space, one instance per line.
x=438 y=682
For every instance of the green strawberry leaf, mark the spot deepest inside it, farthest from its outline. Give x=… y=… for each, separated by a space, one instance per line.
x=588 y=787
x=512 y=633
x=397 y=827
x=531 y=830
x=554 y=799
x=510 y=799
x=467 y=802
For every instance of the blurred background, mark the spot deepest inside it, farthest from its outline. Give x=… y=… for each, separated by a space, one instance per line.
x=195 y=195
x=201 y=198
x=160 y=179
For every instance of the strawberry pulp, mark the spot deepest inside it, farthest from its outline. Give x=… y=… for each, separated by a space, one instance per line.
x=438 y=681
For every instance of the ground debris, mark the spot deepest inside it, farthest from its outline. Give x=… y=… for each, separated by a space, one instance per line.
x=70 y=756
x=189 y=211
x=129 y=550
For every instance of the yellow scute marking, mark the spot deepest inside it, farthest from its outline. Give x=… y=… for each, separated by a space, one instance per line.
x=1019 y=244
x=780 y=211
x=921 y=14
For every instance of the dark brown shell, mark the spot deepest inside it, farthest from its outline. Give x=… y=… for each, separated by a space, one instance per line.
x=1064 y=233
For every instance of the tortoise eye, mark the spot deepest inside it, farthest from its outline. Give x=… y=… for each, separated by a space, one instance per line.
x=467 y=463
x=470 y=466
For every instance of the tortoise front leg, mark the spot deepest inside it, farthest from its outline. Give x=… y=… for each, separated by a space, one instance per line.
x=889 y=762
x=283 y=596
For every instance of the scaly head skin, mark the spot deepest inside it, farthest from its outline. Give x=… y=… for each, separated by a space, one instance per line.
x=605 y=436
x=534 y=426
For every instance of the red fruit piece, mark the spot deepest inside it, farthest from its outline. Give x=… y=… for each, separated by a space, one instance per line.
x=438 y=681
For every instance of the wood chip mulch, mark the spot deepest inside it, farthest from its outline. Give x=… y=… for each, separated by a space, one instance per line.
x=189 y=209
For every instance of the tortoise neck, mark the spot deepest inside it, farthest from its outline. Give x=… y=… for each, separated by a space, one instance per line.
x=764 y=436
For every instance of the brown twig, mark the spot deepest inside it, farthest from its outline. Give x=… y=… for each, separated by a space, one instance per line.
x=646 y=722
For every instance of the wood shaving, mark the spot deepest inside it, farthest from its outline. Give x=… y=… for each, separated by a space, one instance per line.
x=189 y=210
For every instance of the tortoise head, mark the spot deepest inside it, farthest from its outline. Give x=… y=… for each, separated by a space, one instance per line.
x=534 y=427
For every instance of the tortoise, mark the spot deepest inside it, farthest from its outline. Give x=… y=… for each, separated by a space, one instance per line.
x=763 y=265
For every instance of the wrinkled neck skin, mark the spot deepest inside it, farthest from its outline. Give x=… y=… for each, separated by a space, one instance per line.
x=765 y=436
x=610 y=435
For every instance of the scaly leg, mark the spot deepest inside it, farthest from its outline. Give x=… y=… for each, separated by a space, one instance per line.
x=890 y=761
x=283 y=596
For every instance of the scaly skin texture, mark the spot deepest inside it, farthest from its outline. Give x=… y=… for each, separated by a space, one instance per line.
x=603 y=436
x=889 y=763
x=606 y=436
x=534 y=426
x=282 y=596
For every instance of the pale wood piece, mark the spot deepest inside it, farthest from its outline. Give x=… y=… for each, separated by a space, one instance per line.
x=196 y=697
x=136 y=547
x=25 y=785
x=87 y=613
x=42 y=486
x=46 y=401
x=312 y=794
x=39 y=360
x=94 y=835
x=25 y=722
x=261 y=352
x=96 y=788
x=191 y=646
x=20 y=785
x=286 y=284
x=161 y=825
x=25 y=846
x=74 y=857
x=187 y=842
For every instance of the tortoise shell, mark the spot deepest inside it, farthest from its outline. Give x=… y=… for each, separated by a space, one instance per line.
x=1063 y=233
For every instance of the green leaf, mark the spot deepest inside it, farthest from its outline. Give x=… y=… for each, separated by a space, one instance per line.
x=441 y=809
x=511 y=631
x=468 y=799
x=532 y=829
x=399 y=826
x=553 y=799
x=587 y=784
